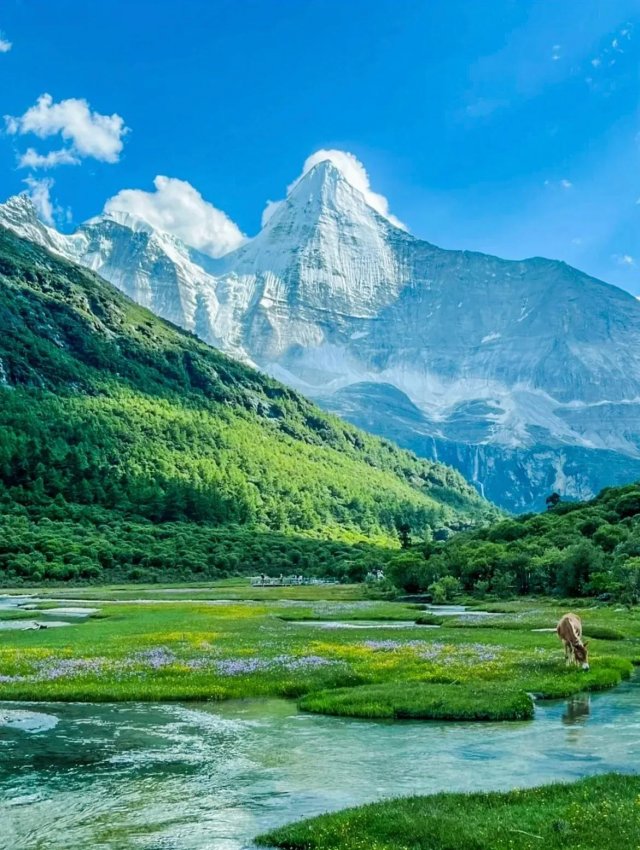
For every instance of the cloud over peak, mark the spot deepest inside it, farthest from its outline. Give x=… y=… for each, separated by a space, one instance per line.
x=178 y=208
x=87 y=133
x=40 y=193
x=353 y=171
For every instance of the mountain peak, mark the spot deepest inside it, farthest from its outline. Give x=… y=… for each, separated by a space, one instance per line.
x=326 y=169
x=20 y=214
x=19 y=208
x=325 y=180
x=124 y=219
x=324 y=194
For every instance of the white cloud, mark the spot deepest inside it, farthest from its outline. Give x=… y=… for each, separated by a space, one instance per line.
x=177 y=208
x=32 y=159
x=269 y=210
x=353 y=171
x=618 y=45
x=559 y=184
x=624 y=259
x=87 y=133
x=40 y=194
x=272 y=206
x=5 y=44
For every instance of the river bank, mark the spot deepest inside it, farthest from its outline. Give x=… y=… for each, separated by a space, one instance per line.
x=355 y=657
x=211 y=776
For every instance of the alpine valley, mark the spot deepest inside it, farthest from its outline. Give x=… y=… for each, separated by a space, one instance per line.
x=523 y=375
x=131 y=449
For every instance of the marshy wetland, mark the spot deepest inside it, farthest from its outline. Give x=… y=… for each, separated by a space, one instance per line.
x=197 y=718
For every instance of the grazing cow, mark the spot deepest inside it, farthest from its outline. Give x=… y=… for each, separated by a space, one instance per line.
x=570 y=633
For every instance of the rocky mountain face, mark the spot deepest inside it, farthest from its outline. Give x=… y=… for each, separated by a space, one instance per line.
x=104 y=405
x=523 y=375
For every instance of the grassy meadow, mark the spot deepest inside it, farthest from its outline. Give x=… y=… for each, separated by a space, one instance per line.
x=591 y=814
x=327 y=646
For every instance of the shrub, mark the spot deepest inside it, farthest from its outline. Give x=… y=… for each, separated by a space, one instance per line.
x=445 y=590
x=480 y=589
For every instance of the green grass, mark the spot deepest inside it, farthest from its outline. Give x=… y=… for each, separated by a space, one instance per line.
x=603 y=633
x=18 y=615
x=233 y=588
x=170 y=648
x=430 y=620
x=130 y=450
x=381 y=611
x=593 y=814
x=423 y=701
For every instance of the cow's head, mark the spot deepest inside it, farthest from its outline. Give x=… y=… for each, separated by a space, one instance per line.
x=582 y=655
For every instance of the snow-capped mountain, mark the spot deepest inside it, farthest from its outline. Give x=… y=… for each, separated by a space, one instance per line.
x=523 y=375
x=154 y=268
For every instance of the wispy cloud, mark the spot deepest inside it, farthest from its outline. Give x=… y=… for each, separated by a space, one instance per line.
x=40 y=194
x=610 y=53
x=624 y=260
x=5 y=44
x=549 y=49
x=32 y=159
x=564 y=183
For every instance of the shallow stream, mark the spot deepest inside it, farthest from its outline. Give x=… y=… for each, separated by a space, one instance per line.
x=212 y=776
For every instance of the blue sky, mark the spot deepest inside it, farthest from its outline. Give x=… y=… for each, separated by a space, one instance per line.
x=505 y=126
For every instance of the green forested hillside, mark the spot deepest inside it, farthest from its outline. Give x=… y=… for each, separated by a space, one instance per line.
x=111 y=418
x=574 y=549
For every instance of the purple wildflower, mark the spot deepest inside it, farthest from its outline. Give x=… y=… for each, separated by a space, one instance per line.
x=303 y=662
x=155 y=658
x=198 y=663
x=61 y=667
x=240 y=666
x=391 y=645
x=291 y=663
x=433 y=652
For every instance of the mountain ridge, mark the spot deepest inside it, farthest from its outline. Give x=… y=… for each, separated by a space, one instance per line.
x=105 y=404
x=538 y=360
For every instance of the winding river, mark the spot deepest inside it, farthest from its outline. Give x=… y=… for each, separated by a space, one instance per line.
x=212 y=776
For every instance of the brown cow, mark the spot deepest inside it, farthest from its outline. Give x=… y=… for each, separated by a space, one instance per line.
x=570 y=633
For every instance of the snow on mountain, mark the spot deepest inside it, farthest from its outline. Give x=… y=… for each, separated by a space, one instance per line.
x=524 y=375
x=154 y=268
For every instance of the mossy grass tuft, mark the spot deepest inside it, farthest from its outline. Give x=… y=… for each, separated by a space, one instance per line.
x=423 y=701
x=592 y=814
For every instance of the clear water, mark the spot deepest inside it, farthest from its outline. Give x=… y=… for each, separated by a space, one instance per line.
x=9 y=604
x=21 y=625
x=210 y=777
x=362 y=624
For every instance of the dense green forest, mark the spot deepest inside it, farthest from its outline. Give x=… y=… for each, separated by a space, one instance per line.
x=62 y=542
x=574 y=549
x=121 y=434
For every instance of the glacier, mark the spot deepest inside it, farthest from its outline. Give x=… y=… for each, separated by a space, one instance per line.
x=524 y=375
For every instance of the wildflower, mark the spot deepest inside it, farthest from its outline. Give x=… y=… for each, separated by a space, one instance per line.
x=155 y=658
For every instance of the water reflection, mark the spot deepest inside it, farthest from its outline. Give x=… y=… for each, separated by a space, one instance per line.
x=210 y=777
x=577 y=709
